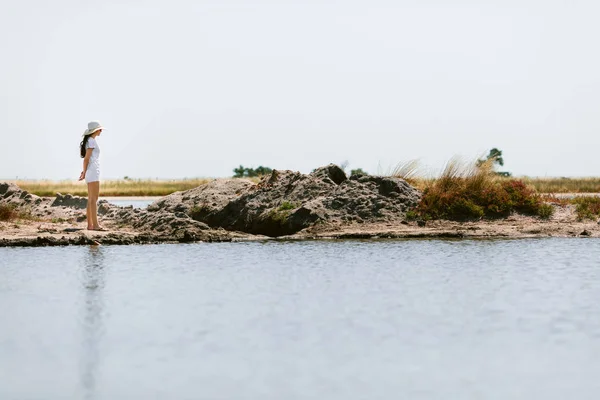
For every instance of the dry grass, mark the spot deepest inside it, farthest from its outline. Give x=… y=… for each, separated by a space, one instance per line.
x=410 y=171
x=557 y=201
x=564 y=185
x=129 y=187
x=470 y=191
x=9 y=212
x=413 y=172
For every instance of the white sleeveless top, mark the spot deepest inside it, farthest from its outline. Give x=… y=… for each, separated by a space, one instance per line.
x=93 y=171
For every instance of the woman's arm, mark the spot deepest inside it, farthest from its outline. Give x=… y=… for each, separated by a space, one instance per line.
x=86 y=163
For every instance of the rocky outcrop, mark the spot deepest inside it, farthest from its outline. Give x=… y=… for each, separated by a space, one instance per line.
x=70 y=201
x=37 y=207
x=212 y=196
x=12 y=194
x=161 y=222
x=281 y=204
x=286 y=202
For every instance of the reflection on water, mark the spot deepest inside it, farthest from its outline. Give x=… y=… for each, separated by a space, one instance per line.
x=92 y=277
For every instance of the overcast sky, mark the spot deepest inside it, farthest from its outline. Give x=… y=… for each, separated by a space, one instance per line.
x=190 y=88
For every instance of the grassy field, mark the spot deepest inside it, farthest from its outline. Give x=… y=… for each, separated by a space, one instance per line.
x=147 y=187
x=462 y=191
x=130 y=187
x=540 y=185
x=564 y=185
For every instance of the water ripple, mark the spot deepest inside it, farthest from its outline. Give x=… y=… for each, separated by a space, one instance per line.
x=419 y=319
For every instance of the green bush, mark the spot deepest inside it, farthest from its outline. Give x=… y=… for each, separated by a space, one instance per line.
x=463 y=208
x=545 y=211
x=358 y=171
x=587 y=207
x=287 y=205
x=277 y=217
x=466 y=194
x=412 y=215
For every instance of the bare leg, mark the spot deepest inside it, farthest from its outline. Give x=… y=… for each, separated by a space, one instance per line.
x=88 y=211
x=94 y=192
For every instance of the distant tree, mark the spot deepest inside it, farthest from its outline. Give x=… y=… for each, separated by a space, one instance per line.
x=260 y=170
x=495 y=156
x=358 y=171
x=242 y=172
x=239 y=172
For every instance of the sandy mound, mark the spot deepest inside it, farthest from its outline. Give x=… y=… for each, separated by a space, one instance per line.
x=175 y=225
x=286 y=202
x=12 y=194
x=283 y=203
x=213 y=196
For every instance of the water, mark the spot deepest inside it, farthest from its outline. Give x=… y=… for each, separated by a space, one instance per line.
x=136 y=202
x=305 y=320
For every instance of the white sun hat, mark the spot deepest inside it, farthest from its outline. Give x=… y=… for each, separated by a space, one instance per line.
x=93 y=126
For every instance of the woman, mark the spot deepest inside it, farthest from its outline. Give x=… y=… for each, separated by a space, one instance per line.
x=90 y=152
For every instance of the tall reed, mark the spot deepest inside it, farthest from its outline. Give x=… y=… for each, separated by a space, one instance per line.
x=466 y=191
x=409 y=170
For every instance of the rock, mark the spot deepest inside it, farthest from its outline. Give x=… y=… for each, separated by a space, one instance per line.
x=286 y=202
x=165 y=222
x=332 y=172
x=12 y=194
x=8 y=188
x=29 y=203
x=585 y=233
x=283 y=203
x=69 y=201
x=139 y=226
x=206 y=198
x=104 y=207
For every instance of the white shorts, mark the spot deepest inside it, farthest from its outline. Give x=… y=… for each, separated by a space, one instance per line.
x=92 y=175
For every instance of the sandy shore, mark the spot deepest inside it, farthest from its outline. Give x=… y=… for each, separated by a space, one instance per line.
x=563 y=224
x=286 y=206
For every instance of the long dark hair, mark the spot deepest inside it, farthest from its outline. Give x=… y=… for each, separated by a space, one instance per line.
x=82 y=145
